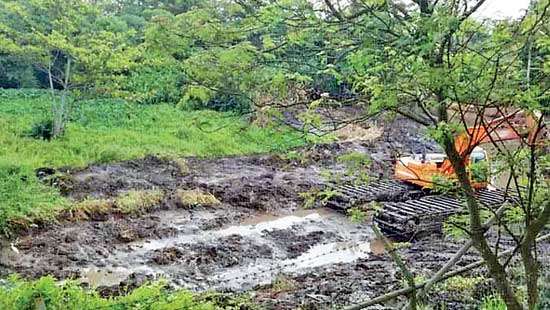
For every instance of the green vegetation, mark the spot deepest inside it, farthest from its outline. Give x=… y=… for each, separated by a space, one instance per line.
x=102 y=131
x=130 y=202
x=282 y=284
x=138 y=201
x=310 y=198
x=462 y=285
x=456 y=225
x=493 y=303
x=46 y=293
x=191 y=198
x=357 y=215
x=316 y=197
x=357 y=165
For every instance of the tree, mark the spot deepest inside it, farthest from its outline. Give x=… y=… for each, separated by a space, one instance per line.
x=62 y=40
x=431 y=58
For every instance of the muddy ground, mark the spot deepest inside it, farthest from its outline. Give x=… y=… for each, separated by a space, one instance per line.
x=258 y=240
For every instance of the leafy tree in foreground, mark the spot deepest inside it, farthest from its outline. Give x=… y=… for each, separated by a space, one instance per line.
x=435 y=64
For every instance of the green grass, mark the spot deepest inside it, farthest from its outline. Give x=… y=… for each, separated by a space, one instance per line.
x=493 y=302
x=102 y=131
x=46 y=293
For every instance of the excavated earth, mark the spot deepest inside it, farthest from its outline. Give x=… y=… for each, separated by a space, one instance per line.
x=258 y=240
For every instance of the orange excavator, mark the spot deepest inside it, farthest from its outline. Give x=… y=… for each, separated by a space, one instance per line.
x=423 y=169
x=406 y=213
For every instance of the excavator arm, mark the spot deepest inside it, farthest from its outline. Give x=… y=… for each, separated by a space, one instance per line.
x=496 y=130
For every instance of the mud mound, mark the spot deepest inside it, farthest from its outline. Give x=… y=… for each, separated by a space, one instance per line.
x=295 y=242
x=225 y=252
x=105 y=181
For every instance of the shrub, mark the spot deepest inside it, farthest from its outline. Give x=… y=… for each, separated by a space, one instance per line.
x=229 y=103
x=154 y=86
x=45 y=293
x=200 y=98
x=195 y=197
x=42 y=130
x=136 y=201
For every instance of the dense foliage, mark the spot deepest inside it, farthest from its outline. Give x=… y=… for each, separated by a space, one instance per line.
x=223 y=55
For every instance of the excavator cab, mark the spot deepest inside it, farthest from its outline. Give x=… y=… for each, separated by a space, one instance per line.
x=421 y=169
x=479 y=168
x=478 y=155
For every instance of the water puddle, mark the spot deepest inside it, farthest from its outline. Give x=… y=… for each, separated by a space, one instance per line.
x=254 y=226
x=262 y=273
x=280 y=223
x=96 y=277
x=239 y=257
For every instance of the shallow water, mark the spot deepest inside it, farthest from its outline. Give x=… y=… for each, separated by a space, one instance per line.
x=340 y=241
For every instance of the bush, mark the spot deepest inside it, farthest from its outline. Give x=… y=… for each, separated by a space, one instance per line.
x=154 y=86
x=42 y=130
x=45 y=293
x=228 y=103
x=15 y=73
x=201 y=98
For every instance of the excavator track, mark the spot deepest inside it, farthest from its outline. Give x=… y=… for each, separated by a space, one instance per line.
x=349 y=195
x=407 y=212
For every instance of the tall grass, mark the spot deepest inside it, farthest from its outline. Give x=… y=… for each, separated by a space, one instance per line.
x=102 y=131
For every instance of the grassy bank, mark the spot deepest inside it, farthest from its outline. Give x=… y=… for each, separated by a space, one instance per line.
x=103 y=131
x=46 y=293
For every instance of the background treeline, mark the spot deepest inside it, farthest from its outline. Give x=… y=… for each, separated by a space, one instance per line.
x=216 y=54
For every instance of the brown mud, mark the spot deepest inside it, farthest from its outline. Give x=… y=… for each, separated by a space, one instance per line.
x=258 y=240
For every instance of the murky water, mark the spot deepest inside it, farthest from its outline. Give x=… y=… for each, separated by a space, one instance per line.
x=263 y=272
x=96 y=277
x=338 y=241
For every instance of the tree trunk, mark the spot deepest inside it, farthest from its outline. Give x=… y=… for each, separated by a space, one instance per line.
x=531 y=274
x=496 y=269
x=530 y=263
x=60 y=112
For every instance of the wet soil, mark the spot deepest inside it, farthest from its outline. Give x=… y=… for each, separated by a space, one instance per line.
x=258 y=235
